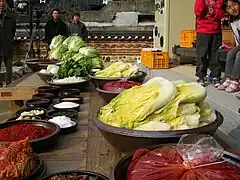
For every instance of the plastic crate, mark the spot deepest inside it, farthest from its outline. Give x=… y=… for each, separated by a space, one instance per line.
x=155 y=59
x=187 y=37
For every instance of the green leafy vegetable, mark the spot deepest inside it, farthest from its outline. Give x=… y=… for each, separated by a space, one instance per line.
x=58 y=52
x=89 y=51
x=76 y=43
x=56 y=42
x=97 y=62
x=68 y=55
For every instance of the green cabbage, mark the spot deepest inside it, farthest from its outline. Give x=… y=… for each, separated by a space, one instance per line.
x=76 y=43
x=58 y=52
x=68 y=55
x=67 y=41
x=132 y=106
x=56 y=42
x=97 y=63
x=89 y=51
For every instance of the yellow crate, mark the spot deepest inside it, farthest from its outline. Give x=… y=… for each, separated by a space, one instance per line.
x=187 y=37
x=155 y=59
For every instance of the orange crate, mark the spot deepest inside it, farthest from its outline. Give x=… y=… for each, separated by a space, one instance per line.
x=155 y=59
x=187 y=37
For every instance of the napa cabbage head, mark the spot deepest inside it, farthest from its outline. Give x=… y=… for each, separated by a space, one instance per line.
x=132 y=106
x=113 y=70
x=193 y=92
x=76 y=43
x=89 y=51
x=56 y=42
x=58 y=52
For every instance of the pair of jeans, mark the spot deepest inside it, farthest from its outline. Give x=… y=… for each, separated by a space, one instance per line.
x=207 y=49
x=232 y=68
x=8 y=61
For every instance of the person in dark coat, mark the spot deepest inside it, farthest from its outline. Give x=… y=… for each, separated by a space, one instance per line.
x=7 y=33
x=77 y=27
x=55 y=26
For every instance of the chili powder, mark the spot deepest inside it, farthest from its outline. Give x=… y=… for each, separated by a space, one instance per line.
x=22 y=131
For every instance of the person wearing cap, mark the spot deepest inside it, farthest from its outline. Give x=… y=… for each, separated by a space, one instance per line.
x=54 y=27
x=77 y=27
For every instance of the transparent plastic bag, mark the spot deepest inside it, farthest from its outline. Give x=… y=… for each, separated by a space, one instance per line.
x=193 y=158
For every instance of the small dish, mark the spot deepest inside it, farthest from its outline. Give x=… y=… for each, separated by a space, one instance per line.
x=68 y=112
x=67 y=105
x=69 y=92
x=49 y=89
x=38 y=103
x=49 y=96
x=70 y=129
x=72 y=98
x=24 y=118
x=43 y=115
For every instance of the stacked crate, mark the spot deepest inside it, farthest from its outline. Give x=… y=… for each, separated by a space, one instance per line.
x=154 y=58
x=187 y=37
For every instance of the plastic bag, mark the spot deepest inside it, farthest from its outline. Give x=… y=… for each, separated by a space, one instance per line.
x=194 y=158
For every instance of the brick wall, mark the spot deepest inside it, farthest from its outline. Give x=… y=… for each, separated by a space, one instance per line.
x=111 y=50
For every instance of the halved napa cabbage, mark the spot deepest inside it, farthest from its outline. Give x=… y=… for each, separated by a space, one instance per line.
x=132 y=106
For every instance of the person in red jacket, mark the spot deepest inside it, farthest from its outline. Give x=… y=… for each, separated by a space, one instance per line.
x=209 y=38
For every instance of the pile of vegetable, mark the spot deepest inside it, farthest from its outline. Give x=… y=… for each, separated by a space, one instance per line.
x=119 y=86
x=118 y=69
x=159 y=105
x=73 y=47
x=17 y=160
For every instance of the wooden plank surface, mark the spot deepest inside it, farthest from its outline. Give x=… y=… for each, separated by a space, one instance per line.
x=101 y=156
x=71 y=151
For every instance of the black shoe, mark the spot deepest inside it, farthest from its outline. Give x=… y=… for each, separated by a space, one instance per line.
x=201 y=81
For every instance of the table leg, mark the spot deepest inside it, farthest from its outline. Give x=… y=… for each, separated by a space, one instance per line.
x=16 y=105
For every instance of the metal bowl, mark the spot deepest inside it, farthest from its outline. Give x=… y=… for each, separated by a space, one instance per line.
x=76 y=85
x=99 y=82
x=45 y=76
x=130 y=140
x=119 y=171
x=107 y=96
x=33 y=64
x=42 y=144
x=92 y=175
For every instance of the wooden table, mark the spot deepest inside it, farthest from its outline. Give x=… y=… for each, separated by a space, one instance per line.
x=85 y=149
x=22 y=89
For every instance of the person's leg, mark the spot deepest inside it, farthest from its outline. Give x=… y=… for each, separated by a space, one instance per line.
x=234 y=86
x=8 y=63
x=231 y=56
x=214 y=64
x=202 y=46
